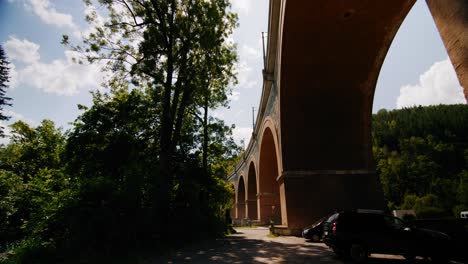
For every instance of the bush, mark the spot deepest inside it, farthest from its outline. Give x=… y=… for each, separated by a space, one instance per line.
x=431 y=212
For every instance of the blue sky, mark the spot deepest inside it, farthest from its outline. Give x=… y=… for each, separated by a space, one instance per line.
x=46 y=84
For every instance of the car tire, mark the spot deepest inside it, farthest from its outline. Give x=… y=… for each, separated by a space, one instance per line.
x=409 y=258
x=439 y=258
x=315 y=238
x=339 y=254
x=358 y=253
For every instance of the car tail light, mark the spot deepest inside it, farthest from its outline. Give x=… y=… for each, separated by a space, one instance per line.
x=334 y=228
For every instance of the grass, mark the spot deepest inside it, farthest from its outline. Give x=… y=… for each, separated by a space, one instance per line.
x=272 y=235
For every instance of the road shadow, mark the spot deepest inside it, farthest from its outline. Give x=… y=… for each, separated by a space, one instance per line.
x=239 y=248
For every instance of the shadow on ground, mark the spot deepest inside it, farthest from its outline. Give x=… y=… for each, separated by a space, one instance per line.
x=242 y=248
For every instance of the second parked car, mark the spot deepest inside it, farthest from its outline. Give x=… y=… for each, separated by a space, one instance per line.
x=358 y=233
x=314 y=232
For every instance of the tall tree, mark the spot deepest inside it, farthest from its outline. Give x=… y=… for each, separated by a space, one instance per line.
x=171 y=48
x=4 y=78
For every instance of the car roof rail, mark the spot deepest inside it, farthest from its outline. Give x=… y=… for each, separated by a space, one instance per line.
x=370 y=211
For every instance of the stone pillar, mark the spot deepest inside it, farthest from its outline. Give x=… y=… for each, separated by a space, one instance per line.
x=451 y=19
x=310 y=195
x=252 y=209
x=270 y=208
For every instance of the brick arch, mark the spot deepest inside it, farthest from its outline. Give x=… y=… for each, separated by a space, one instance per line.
x=330 y=61
x=269 y=196
x=252 y=190
x=240 y=198
x=330 y=56
x=269 y=123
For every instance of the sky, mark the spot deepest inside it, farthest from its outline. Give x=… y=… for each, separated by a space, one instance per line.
x=46 y=84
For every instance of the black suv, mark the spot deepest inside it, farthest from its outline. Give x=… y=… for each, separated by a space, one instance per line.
x=358 y=233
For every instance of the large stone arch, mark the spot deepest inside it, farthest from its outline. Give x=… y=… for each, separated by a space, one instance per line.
x=269 y=123
x=252 y=190
x=240 y=198
x=329 y=58
x=331 y=54
x=270 y=198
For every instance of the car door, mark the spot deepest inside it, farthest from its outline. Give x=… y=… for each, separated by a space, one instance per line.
x=400 y=239
x=379 y=238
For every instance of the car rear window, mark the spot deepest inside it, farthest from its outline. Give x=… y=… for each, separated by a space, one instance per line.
x=332 y=218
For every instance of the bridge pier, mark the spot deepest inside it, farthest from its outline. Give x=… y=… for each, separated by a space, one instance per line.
x=240 y=210
x=310 y=195
x=270 y=208
x=251 y=209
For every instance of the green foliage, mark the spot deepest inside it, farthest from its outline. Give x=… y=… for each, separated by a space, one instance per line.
x=11 y=196
x=35 y=188
x=144 y=166
x=421 y=155
x=178 y=53
x=462 y=193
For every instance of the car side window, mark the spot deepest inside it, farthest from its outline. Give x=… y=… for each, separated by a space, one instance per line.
x=393 y=222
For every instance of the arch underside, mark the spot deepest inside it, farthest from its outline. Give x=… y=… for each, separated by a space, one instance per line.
x=241 y=199
x=269 y=198
x=252 y=207
x=331 y=55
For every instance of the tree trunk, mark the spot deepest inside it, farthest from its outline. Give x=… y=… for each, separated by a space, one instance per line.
x=205 y=137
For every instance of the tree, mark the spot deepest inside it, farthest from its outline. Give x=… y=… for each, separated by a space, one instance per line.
x=4 y=78
x=177 y=51
x=421 y=152
x=31 y=179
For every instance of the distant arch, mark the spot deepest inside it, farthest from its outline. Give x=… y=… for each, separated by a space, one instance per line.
x=269 y=189
x=241 y=198
x=252 y=206
x=270 y=124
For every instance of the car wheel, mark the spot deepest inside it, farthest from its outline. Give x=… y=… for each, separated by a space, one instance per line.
x=409 y=257
x=358 y=253
x=315 y=238
x=439 y=258
x=339 y=254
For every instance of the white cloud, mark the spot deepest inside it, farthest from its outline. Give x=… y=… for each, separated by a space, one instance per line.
x=242 y=5
x=242 y=133
x=234 y=96
x=22 y=50
x=98 y=21
x=13 y=78
x=17 y=117
x=47 y=13
x=244 y=76
x=250 y=53
x=61 y=76
x=438 y=85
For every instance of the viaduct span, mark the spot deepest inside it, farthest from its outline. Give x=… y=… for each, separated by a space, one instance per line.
x=311 y=149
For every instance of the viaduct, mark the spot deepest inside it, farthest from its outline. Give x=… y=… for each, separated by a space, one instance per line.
x=311 y=149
